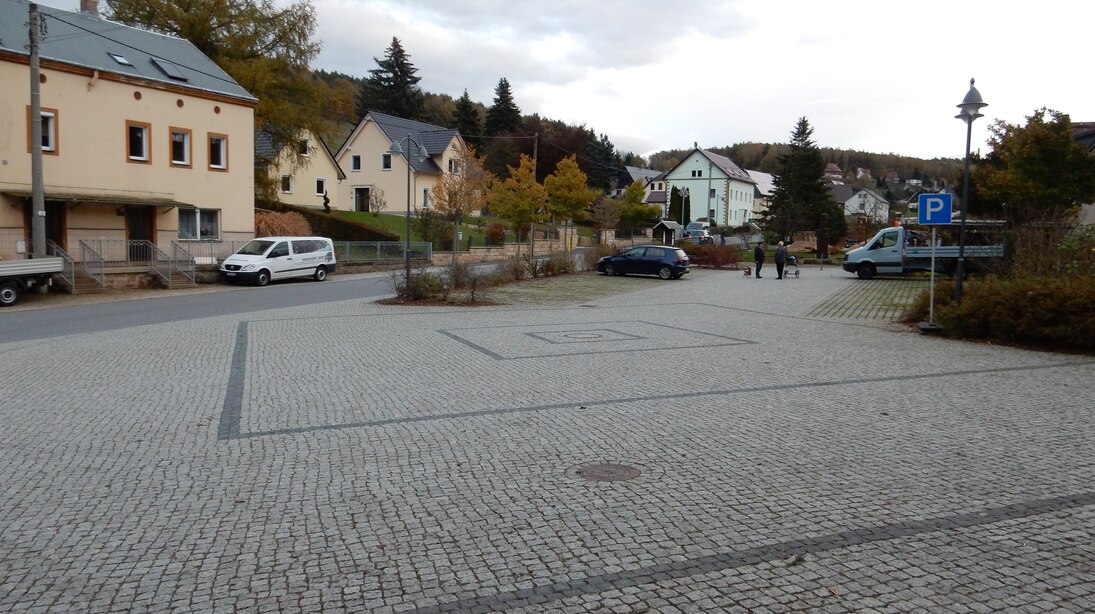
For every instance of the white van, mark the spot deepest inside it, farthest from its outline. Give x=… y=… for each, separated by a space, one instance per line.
x=265 y=259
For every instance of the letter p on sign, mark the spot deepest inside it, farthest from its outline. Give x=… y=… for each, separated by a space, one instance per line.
x=934 y=209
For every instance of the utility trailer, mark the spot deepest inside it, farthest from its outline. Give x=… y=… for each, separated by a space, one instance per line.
x=18 y=276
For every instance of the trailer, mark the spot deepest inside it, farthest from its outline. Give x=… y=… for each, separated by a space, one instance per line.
x=899 y=250
x=18 y=276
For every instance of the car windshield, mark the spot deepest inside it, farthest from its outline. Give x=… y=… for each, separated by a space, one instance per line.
x=255 y=248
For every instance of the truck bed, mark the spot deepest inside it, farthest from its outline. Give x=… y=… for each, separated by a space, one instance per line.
x=32 y=266
x=951 y=251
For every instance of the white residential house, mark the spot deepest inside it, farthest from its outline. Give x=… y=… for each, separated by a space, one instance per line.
x=370 y=164
x=762 y=194
x=653 y=184
x=316 y=181
x=866 y=205
x=718 y=189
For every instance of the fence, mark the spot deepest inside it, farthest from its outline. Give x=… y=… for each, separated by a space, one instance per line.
x=366 y=252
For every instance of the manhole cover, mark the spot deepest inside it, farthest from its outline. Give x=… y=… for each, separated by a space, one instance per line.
x=608 y=472
x=584 y=336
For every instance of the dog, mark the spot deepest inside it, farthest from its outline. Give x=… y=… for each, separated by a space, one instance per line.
x=748 y=271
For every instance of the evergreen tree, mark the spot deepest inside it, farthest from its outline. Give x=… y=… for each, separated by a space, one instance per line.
x=392 y=86
x=799 y=197
x=504 y=116
x=602 y=163
x=467 y=120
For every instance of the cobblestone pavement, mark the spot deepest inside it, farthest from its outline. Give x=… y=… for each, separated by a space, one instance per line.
x=352 y=457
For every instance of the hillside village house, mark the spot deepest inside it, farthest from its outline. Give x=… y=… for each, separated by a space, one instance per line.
x=717 y=188
x=314 y=182
x=653 y=184
x=146 y=141
x=370 y=164
x=863 y=204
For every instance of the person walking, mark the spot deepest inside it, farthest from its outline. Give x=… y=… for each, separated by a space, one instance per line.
x=758 y=258
x=781 y=259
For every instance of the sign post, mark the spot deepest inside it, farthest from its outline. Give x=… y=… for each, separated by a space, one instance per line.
x=932 y=210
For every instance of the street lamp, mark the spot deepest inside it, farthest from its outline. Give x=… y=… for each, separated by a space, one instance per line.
x=422 y=156
x=970 y=111
x=684 y=197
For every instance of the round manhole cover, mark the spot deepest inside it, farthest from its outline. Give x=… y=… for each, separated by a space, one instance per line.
x=608 y=472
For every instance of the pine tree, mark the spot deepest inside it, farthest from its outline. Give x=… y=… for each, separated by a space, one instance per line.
x=799 y=197
x=602 y=163
x=392 y=86
x=504 y=116
x=467 y=120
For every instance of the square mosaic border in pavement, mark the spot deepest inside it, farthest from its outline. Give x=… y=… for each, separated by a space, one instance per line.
x=553 y=340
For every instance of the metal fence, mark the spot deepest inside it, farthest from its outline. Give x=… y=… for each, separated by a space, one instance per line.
x=366 y=252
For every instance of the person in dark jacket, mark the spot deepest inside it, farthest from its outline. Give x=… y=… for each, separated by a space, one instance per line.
x=758 y=258
x=781 y=260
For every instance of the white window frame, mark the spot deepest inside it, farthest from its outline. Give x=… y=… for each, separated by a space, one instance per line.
x=185 y=162
x=386 y=162
x=304 y=147
x=222 y=147
x=145 y=155
x=355 y=163
x=321 y=186
x=198 y=214
x=49 y=131
x=286 y=179
x=425 y=198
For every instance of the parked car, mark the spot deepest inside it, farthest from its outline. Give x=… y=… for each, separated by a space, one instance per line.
x=698 y=236
x=664 y=261
x=263 y=260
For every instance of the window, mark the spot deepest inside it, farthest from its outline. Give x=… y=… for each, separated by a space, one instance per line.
x=321 y=186
x=218 y=151
x=386 y=161
x=425 y=198
x=697 y=173
x=119 y=58
x=137 y=145
x=169 y=69
x=355 y=163
x=286 y=184
x=303 y=148
x=49 y=131
x=199 y=224
x=180 y=147
x=711 y=193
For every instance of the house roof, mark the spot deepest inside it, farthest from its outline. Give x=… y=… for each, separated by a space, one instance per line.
x=763 y=181
x=841 y=193
x=85 y=40
x=655 y=196
x=268 y=148
x=434 y=139
x=726 y=165
x=646 y=174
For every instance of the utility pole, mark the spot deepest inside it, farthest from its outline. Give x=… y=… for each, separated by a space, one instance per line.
x=37 y=184
x=532 y=225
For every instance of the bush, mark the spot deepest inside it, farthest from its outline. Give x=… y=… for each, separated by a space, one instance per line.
x=421 y=285
x=496 y=234
x=274 y=224
x=1028 y=310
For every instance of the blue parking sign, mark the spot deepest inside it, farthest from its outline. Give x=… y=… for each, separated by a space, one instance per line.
x=934 y=209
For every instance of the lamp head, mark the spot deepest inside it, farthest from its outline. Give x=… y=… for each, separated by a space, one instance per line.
x=971 y=105
x=394 y=148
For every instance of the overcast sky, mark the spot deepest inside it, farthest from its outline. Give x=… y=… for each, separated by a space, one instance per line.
x=878 y=76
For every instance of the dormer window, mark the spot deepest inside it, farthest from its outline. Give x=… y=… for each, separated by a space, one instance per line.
x=169 y=69
x=121 y=59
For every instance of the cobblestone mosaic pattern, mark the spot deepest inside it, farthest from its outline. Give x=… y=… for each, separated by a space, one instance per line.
x=354 y=457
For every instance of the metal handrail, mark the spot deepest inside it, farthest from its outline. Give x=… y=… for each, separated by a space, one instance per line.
x=68 y=272
x=183 y=261
x=92 y=263
x=159 y=263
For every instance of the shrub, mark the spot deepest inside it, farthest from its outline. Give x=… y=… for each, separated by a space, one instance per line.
x=274 y=224
x=496 y=234
x=1029 y=310
x=421 y=285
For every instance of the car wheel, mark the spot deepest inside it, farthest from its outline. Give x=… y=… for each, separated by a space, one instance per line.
x=665 y=272
x=678 y=276
x=610 y=269
x=321 y=273
x=865 y=271
x=262 y=278
x=10 y=293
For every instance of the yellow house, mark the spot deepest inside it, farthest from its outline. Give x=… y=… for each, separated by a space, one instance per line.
x=148 y=145
x=372 y=169
x=314 y=182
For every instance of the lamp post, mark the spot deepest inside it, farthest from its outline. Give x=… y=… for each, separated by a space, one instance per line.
x=970 y=111
x=422 y=156
x=684 y=197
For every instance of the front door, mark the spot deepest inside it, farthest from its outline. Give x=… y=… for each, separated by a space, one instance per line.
x=140 y=230
x=55 y=223
x=361 y=199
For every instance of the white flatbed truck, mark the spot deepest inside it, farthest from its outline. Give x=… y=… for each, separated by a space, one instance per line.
x=892 y=251
x=18 y=276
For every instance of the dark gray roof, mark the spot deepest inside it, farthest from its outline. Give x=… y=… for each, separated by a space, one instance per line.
x=434 y=138
x=87 y=41
x=656 y=196
x=841 y=193
x=267 y=147
x=727 y=165
x=646 y=174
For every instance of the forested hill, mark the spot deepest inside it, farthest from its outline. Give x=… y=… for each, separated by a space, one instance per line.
x=764 y=157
